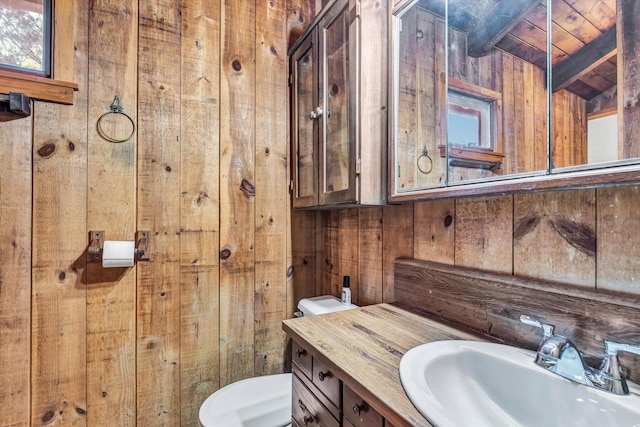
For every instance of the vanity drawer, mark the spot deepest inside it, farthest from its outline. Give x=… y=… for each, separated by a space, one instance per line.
x=302 y=358
x=307 y=410
x=327 y=382
x=358 y=412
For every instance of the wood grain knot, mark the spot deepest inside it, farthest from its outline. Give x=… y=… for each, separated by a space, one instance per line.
x=168 y=168
x=81 y=411
x=577 y=235
x=247 y=188
x=46 y=418
x=47 y=150
x=526 y=226
x=225 y=254
x=71 y=146
x=236 y=65
x=274 y=51
x=62 y=276
x=448 y=220
x=335 y=89
x=290 y=271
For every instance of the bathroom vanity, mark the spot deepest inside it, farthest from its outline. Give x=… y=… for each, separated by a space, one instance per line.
x=346 y=364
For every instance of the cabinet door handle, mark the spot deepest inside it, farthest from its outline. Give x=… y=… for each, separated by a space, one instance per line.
x=301 y=353
x=323 y=375
x=308 y=419
x=314 y=114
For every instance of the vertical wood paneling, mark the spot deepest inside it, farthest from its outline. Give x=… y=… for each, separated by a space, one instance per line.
x=434 y=231
x=569 y=123
x=328 y=263
x=509 y=140
x=15 y=271
x=237 y=191
x=484 y=233
x=59 y=288
x=111 y=203
x=347 y=251
x=554 y=236
x=303 y=248
x=272 y=190
x=159 y=172
x=199 y=206
x=397 y=235
x=618 y=242
x=369 y=257
x=300 y=13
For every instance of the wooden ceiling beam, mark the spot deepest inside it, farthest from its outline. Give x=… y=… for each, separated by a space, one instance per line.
x=585 y=60
x=503 y=18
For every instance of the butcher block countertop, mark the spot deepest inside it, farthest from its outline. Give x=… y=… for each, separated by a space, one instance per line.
x=363 y=347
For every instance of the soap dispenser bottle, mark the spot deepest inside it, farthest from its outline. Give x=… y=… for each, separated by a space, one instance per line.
x=346 y=290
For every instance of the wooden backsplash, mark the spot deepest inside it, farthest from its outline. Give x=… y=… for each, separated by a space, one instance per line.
x=583 y=237
x=206 y=172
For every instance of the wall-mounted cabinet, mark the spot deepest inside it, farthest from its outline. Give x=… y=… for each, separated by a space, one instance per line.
x=339 y=107
x=512 y=95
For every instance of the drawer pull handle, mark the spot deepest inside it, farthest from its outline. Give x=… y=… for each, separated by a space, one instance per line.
x=323 y=375
x=301 y=352
x=308 y=419
x=356 y=409
x=302 y=405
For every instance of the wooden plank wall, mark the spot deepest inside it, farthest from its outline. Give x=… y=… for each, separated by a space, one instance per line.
x=576 y=236
x=206 y=172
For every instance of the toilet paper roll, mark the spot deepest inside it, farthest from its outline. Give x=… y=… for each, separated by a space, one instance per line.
x=118 y=254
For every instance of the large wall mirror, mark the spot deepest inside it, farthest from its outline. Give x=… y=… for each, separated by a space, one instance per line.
x=497 y=56
x=487 y=91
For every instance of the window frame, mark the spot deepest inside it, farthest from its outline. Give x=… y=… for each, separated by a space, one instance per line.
x=59 y=87
x=477 y=157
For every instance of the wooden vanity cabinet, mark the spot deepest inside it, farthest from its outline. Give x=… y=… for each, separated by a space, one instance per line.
x=320 y=398
x=338 y=110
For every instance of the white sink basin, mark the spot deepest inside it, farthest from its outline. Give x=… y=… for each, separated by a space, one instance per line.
x=468 y=383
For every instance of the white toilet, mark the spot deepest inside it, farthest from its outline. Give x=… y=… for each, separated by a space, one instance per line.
x=262 y=401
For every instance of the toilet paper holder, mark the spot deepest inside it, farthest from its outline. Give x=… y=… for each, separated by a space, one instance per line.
x=96 y=242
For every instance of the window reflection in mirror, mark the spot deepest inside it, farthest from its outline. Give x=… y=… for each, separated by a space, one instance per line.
x=419 y=75
x=499 y=47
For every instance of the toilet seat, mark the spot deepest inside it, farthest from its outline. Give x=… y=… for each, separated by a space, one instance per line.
x=243 y=403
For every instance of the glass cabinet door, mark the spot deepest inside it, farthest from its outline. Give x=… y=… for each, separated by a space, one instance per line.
x=305 y=105
x=337 y=130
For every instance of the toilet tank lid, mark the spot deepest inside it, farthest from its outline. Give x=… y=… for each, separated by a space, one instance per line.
x=321 y=305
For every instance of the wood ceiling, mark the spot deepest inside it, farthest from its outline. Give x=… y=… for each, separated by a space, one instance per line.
x=583 y=36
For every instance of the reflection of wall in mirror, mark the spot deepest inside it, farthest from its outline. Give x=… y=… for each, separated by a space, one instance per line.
x=602 y=139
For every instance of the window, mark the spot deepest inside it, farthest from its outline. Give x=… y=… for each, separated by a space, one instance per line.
x=474 y=126
x=25 y=36
x=469 y=121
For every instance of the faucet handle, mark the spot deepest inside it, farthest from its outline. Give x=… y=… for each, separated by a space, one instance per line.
x=610 y=374
x=547 y=329
x=613 y=348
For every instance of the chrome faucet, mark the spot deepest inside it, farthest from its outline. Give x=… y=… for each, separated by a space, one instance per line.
x=560 y=355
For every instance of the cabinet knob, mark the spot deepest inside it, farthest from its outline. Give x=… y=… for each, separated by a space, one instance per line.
x=323 y=375
x=356 y=409
x=314 y=114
